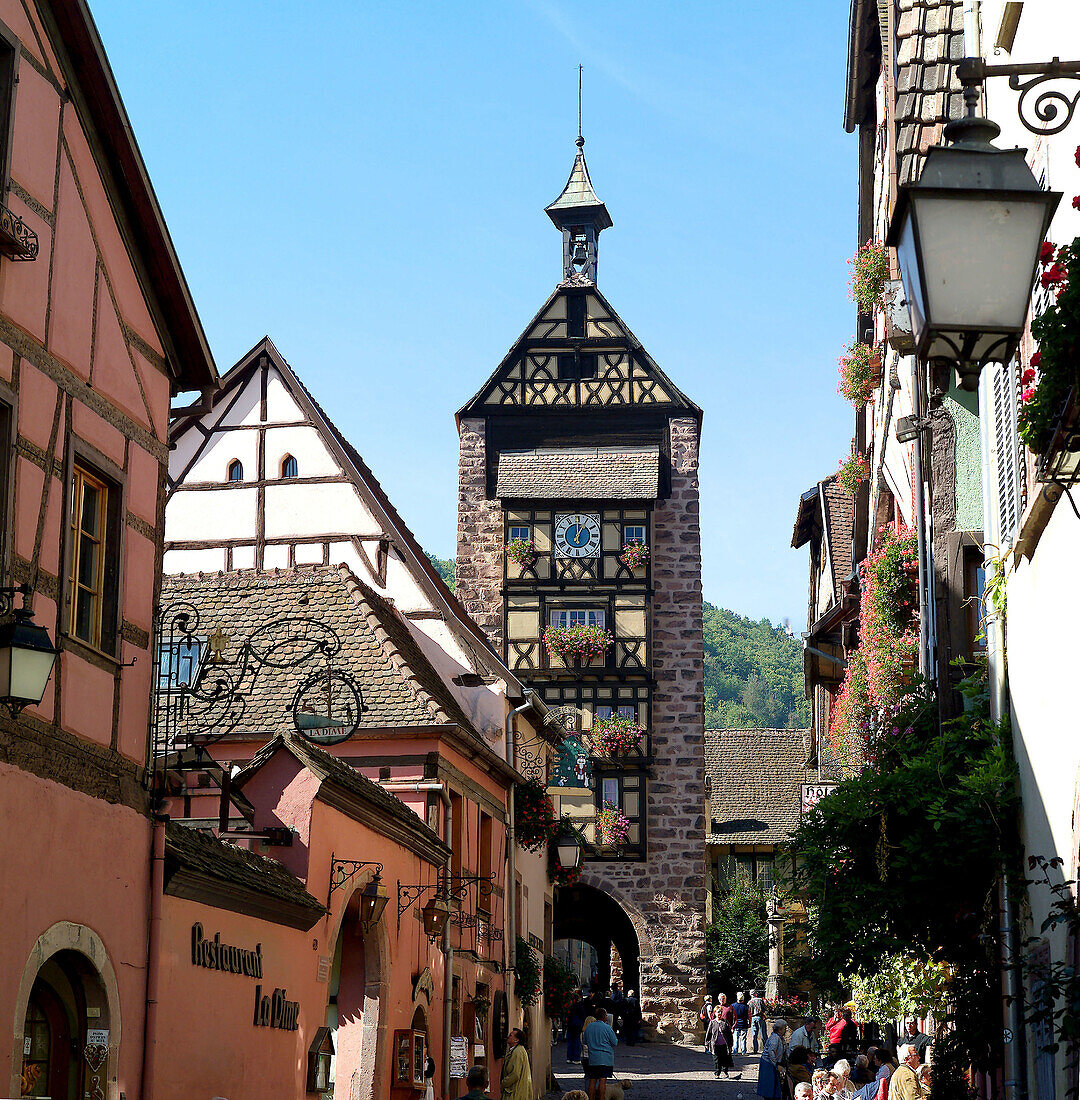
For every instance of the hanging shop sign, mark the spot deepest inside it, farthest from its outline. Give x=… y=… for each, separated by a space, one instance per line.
x=813 y=793
x=571 y=771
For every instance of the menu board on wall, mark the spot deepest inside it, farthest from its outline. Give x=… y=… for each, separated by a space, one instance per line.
x=459 y=1056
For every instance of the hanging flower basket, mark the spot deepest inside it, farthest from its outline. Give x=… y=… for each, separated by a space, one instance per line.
x=522 y=553
x=635 y=555
x=612 y=826
x=535 y=823
x=577 y=643
x=869 y=270
x=852 y=472
x=860 y=373
x=617 y=736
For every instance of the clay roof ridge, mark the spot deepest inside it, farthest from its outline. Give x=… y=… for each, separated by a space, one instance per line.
x=360 y=594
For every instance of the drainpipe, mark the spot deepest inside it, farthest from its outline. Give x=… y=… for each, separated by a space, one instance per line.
x=153 y=956
x=1012 y=986
x=509 y=937
x=925 y=572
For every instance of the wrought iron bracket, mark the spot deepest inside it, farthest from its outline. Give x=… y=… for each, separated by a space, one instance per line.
x=7 y=598
x=17 y=240
x=343 y=871
x=1039 y=115
x=409 y=893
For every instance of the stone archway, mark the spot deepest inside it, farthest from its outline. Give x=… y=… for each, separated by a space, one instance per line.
x=593 y=915
x=73 y=955
x=363 y=960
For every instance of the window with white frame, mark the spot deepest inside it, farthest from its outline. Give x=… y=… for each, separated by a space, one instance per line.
x=622 y=712
x=634 y=533
x=520 y=533
x=578 y=616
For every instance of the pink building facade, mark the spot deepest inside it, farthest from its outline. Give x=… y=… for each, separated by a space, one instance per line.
x=97 y=331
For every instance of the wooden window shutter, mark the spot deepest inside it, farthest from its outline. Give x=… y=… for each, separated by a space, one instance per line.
x=1006 y=451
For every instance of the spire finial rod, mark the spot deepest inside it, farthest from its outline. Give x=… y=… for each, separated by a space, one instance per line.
x=580 y=140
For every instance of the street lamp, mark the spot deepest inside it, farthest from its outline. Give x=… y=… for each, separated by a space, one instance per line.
x=373 y=899
x=568 y=850
x=967 y=237
x=436 y=914
x=27 y=656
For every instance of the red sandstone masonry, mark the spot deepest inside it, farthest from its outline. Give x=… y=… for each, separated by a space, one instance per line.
x=672 y=975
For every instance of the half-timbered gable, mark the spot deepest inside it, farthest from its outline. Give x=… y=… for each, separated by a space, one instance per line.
x=261 y=478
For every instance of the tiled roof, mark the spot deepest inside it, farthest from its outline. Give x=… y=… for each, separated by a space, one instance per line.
x=929 y=42
x=399 y=685
x=617 y=473
x=839 y=528
x=330 y=769
x=755 y=784
x=196 y=851
x=578 y=194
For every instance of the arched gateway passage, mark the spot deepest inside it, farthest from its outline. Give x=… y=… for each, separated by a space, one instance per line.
x=594 y=917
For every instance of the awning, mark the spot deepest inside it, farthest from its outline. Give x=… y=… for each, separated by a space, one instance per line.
x=610 y=473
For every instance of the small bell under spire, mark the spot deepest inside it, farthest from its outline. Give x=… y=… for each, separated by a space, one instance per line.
x=582 y=217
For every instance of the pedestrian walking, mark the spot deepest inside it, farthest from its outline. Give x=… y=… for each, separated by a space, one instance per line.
x=601 y=1041
x=741 y=1027
x=516 y=1080
x=632 y=1019
x=756 y=1006
x=429 y=1079
x=575 y=1021
x=584 y=1045
x=905 y=1083
x=718 y=1043
x=770 y=1083
x=476 y=1081
x=705 y=1015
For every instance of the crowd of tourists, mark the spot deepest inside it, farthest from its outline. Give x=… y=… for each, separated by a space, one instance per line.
x=595 y=1023
x=841 y=1063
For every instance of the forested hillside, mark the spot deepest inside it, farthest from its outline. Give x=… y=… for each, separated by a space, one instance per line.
x=753 y=670
x=753 y=674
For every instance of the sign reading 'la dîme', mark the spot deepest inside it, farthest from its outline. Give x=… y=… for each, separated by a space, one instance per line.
x=215 y=955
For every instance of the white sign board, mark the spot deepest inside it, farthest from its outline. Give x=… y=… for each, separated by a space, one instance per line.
x=459 y=1056
x=813 y=793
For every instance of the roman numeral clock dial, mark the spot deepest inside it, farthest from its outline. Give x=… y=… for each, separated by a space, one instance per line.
x=577 y=536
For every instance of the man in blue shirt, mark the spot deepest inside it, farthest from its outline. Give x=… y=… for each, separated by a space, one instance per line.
x=601 y=1041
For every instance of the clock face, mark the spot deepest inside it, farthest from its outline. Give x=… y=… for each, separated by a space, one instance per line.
x=577 y=536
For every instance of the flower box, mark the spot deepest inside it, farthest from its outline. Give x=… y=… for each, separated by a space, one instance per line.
x=522 y=553
x=858 y=373
x=852 y=472
x=612 y=826
x=574 y=645
x=617 y=736
x=635 y=555
x=869 y=270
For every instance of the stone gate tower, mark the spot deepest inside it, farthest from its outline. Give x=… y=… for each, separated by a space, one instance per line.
x=580 y=445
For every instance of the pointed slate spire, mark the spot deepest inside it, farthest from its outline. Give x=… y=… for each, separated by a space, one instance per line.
x=582 y=217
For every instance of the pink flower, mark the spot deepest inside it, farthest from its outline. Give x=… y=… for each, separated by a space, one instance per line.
x=1027 y=395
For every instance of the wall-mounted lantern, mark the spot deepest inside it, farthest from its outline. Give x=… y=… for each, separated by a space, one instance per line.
x=27 y=654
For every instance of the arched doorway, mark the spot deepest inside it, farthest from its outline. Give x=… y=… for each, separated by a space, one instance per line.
x=357 y=994
x=593 y=917
x=66 y=1032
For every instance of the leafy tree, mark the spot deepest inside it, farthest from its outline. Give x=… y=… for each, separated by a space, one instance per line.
x=753 y=674
x=446 y=568
x=904 y=859
x=737 y=941
x=901 y=987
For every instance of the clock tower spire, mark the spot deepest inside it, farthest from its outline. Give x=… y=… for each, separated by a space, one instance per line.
x=582 y=217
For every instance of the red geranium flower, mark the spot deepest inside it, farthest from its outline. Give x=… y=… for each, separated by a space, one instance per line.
x=1055 y=275
x=1046 y=253
x=1078 y=156
x=1036 y=359
x=1076 y=202
x=1028 y=375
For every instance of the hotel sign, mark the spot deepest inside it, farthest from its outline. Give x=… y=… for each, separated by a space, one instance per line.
x=813 y=793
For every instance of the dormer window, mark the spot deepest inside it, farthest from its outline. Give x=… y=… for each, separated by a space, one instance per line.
x=288 y=467
x=236 y=470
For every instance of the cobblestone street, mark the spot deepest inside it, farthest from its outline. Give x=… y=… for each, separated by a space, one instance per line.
x=662 y=1071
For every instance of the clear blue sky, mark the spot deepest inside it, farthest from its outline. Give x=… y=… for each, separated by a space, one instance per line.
x=365 y=182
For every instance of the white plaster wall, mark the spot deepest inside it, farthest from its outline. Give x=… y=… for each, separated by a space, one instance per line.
x=205 y=515
x=213 y=463
x=293 y=509
x=304 y=443
x=194 y=561
x=246 y=408
x=280 y=406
